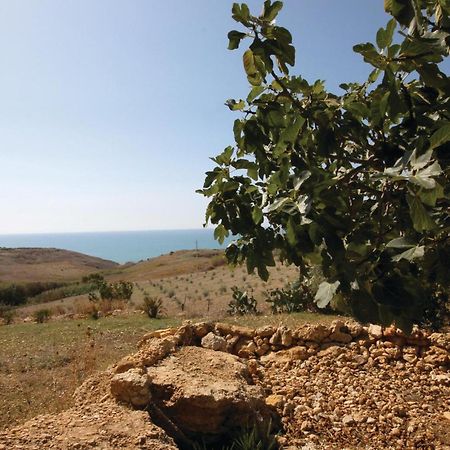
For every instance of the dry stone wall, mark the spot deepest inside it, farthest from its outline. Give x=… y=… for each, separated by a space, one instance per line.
x=372 y=344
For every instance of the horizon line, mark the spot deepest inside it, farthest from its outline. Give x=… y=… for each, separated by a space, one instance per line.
x=28 y=233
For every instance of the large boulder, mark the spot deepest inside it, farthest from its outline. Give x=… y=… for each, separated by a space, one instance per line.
x=206 y=393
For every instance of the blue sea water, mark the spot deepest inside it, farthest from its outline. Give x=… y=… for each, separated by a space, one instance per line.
x=122 y=246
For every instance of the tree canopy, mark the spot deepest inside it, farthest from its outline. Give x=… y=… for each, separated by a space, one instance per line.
x=355 y=182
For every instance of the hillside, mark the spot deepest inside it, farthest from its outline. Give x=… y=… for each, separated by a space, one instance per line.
x=169 y=265
x=47 y=264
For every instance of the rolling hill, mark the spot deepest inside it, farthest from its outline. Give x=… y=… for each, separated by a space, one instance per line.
x=47 y=264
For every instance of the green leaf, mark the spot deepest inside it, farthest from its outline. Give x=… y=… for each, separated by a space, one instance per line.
x=275 y=118
x=325 y=293
x=374 y=75
x=424 y=177
x=382 y=38
x=253 y=76
x=257 y=215
x=291 y=234
x=220 y=233
x=290 y=134
x=384 y=103
x=430 y=196
x=303 y=176
x=241 y=13
x=234 y=105
x=237 y=130
x=402 y=10
x=211 y=176
x=432 y=76
x=278 y=204
x=410 y=254
x=390 y=28
x=358 y=109
x=414 y=48
x=303 y=204
x=400 y=242
x=282 y=35
x=419 y=215
x=440 y=136
x=234 y=38
x=225 y=157
x=252 y=171
x=418 y=162
x=271 y=11
x=371 y=55
x=255 y=92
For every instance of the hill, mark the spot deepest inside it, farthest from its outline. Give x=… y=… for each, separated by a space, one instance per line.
x=47 y=264
x=172 y=264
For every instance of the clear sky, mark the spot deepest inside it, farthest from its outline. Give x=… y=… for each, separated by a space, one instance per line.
x=110 y=109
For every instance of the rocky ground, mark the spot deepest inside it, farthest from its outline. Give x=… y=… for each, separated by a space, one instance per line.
x=324 y=387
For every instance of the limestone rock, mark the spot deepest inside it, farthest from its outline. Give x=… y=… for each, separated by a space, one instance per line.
x=224 y=329
x=282 y=336
x=243 y=331
x=286 y=337
x=314 y=333
x=274 y=400
x=441 y=340
x=132 y=387
x=214 y=342
x=201 y=329
x=375 y=331
x=276 y=337
x=157 y=334
x=203 y=391
x=266 y=331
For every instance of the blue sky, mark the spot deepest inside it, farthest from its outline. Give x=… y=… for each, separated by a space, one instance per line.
x=110 y=109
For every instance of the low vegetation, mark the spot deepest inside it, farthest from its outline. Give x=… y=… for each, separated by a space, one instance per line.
x=153 y=306
x=242 y=303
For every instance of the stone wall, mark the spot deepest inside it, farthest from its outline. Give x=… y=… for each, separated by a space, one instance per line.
x=373 y=344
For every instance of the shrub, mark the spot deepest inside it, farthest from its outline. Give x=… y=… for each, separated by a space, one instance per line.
x=42 y=315
x=242 y=303
x=292 y=298
x=122 y=290
x=94 y=278
x=153 y=306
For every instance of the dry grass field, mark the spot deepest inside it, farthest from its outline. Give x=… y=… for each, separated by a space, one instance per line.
x=42 y=364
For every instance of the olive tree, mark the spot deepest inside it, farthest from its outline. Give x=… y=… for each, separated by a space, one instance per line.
x=355 y=182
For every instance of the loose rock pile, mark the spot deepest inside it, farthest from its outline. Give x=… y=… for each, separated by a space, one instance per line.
x=338 y=386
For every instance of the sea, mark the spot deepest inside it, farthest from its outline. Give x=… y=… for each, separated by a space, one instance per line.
x=119 y=246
